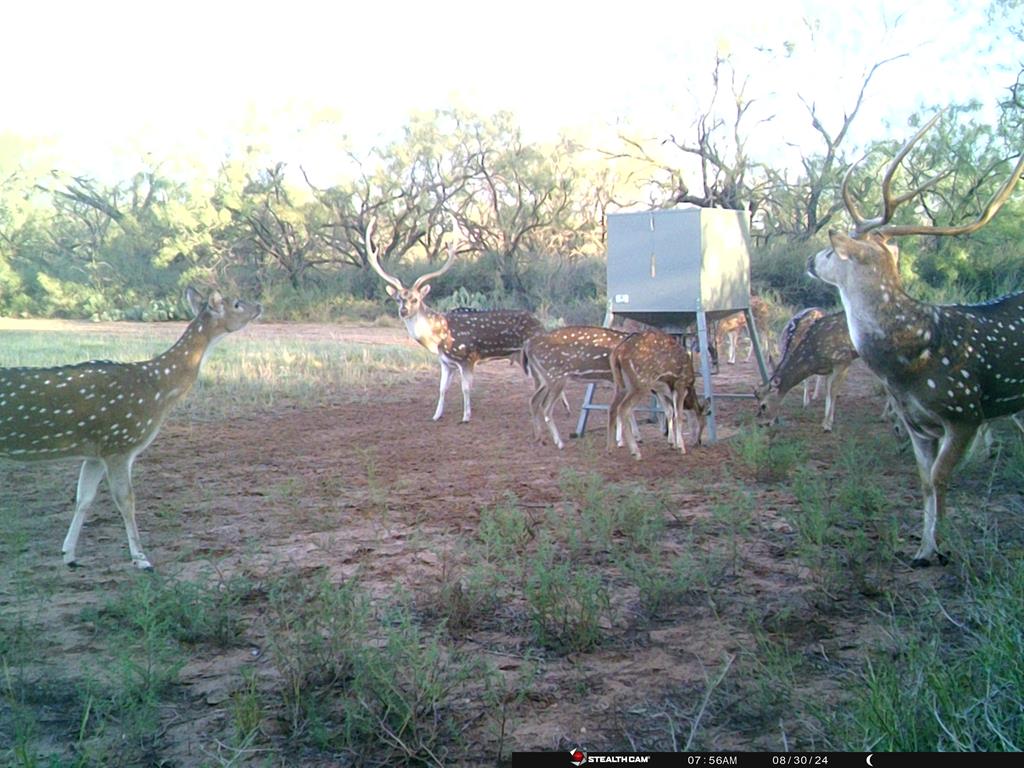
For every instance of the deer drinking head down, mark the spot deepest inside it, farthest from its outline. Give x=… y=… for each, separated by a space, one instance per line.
x=108 y=413
x=813 y=344
x=948 y=369
x=460 y=338
x=653 y=361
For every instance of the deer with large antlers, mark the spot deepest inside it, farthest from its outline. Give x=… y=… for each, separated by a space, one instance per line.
x=948 y=369
x=460 y=338
x=810 y=346
x=653 y=361
x=108 y=413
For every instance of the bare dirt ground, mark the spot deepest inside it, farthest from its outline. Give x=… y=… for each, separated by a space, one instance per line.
x=378 y=491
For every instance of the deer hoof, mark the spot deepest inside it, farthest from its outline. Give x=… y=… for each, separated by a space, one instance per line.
x=143 y=564
x=925 y=562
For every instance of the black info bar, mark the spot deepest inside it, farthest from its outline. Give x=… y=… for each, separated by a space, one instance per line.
x=581 y=757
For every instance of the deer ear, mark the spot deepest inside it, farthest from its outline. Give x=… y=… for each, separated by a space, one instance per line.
x=194 y=300
x=392 y=291
x=424 y=290
x=216 y=303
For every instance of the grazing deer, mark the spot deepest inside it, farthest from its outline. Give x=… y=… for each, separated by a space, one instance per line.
x=575 y=352
x=460 y=338
x=948 y=369
x=108 y=413
x=653 y=361
x=822 y=347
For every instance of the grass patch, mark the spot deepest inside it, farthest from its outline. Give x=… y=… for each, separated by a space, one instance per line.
x=769 y=455
x=240 y=374
x=366 y=682
x=955 y=685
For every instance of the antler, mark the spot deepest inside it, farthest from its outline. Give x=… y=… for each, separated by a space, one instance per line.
x=881 y=225
x=371 y=256
x=456 y=237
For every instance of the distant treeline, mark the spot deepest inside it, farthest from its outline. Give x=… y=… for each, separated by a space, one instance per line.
x=531 y=218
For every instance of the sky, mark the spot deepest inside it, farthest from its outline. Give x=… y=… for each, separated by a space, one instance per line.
x=102 y=84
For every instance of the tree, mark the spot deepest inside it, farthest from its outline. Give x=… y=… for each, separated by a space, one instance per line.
x=512 y=193
x=271 y=232
x=804 y=207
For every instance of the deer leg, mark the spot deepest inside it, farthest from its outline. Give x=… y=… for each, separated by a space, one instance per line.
x=615 y=423
x=936 y=458
x=817 y=386
x=466 y=379
x=1018 y=419
x=807 y=392
x=990 y=440
x=676 y=405
x=629 y=401
x=119 y=478
x=634 y=427
x=733 y=339
x=536 y=411
x=88 y=481
x=833 y=384
x=550 y=398
x=446 y=380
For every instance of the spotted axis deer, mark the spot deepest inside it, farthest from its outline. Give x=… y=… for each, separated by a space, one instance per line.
x=460 y=338
x=653 y=361
x=572 y=353
x=821 y=348
x=108 y=413
x=948 y=369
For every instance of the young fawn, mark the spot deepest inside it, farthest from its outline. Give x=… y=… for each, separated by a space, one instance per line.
x=572 y=353
x=108 y=413
x=947 y=368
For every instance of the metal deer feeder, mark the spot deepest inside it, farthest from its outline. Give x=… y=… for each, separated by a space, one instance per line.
x=677 y=268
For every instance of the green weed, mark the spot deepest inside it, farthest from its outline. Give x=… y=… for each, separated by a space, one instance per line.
x=767 y=454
